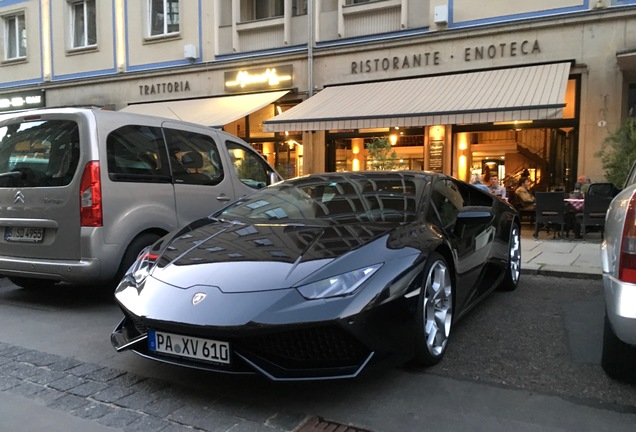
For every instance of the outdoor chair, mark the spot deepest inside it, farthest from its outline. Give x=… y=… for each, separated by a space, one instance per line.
x=549 y=210
x=603 y=189
x=593 y=215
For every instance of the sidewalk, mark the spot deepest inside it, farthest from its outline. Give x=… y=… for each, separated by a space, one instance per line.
x=565 y=257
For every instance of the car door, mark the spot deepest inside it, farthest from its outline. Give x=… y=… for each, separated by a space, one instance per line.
x=39 y=199
x=201 y=176
x=471 y=243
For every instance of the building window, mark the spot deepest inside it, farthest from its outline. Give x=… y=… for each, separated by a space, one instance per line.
x=84 y=25
x=261 y=9
x=15 y=36
x=164 y=17
x=357 y=2
x=631 y=100
x=299 y=7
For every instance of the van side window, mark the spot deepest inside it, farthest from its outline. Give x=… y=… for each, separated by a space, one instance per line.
x=137 y=153
x=250 y=167
x=194 y=158
x=39 y=153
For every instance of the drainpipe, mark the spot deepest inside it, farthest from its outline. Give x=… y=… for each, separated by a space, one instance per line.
x=310 y=48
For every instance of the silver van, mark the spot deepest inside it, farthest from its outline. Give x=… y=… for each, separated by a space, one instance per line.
x=82 y=191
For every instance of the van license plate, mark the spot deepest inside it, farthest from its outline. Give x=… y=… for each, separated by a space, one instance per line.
x=190 y=347
x=24 y=234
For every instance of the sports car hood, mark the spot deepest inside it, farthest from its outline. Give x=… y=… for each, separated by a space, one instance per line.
x=258 y=257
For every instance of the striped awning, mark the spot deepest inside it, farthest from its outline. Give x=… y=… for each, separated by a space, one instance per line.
x=521 y=93
x=213 y=111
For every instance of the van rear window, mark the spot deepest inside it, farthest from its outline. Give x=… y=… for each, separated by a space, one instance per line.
x=38 y=153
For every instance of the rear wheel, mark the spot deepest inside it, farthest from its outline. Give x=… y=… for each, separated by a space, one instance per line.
x=434 y=312
x=133 y=250
x=618 y=358
x=513 y=270
x=32 y=283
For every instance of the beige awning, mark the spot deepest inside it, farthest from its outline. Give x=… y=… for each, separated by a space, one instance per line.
x=214 y=111
x=626 y=60
x=521 y=93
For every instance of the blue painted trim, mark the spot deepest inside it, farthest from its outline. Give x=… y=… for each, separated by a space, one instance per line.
x=42 y=51
x=51 y=39
x=127 y=56
x=114 y=35
x=374 y=38
x=12 y=2
x=159 y=65
x=86 y=74
x=200 y=58
x=623 y=2
x=253 y=54
x=513 y=17
x=20 y=83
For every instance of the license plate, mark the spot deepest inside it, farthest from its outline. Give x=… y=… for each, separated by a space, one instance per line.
x=24 y=234
x=190 y=347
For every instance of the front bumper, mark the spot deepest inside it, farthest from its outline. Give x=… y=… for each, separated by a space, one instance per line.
x=620 y=303
x=321 y=351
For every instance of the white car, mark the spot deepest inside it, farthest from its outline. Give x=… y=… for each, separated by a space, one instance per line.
x=618 y=255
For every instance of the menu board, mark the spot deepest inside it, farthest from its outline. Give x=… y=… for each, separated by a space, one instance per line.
x=436 y=156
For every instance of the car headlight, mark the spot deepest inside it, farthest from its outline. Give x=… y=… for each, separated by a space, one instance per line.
x=338 y=286
x=141 y=268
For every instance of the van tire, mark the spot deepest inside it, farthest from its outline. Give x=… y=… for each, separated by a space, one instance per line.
x=32 y=283
x=131 y=254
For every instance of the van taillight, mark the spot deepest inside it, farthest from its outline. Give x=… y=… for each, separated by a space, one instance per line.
x=91 y=196
x=627 y=259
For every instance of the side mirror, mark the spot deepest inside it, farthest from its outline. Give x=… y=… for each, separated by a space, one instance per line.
x=273 y=177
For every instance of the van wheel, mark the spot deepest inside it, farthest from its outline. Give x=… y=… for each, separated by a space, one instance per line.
x=32 y=283
x=133 y=250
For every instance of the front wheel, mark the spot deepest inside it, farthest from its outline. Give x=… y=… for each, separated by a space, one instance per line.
x=434 y=312
x=513 y=269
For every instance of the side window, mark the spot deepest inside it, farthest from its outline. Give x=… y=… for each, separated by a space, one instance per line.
x=250 y=167
x=137 y=153
x=194 y=158
x=447 y=201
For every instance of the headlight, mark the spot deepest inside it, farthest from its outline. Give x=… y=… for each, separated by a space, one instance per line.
x=337 y=286
x=141 y=268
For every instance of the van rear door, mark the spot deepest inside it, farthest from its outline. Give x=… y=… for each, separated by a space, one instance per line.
x=40 y=169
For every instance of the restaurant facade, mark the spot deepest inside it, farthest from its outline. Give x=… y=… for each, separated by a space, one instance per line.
x=451 y=86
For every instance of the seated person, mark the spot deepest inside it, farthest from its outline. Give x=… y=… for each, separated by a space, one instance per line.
x=525 y=198
x=476 y=181
x=583 y=183
x=496 y=188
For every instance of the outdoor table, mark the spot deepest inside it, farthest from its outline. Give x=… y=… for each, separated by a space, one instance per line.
x=576 y=203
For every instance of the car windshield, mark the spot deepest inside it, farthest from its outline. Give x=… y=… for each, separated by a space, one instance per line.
x=38 y=153
x=381 y=197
